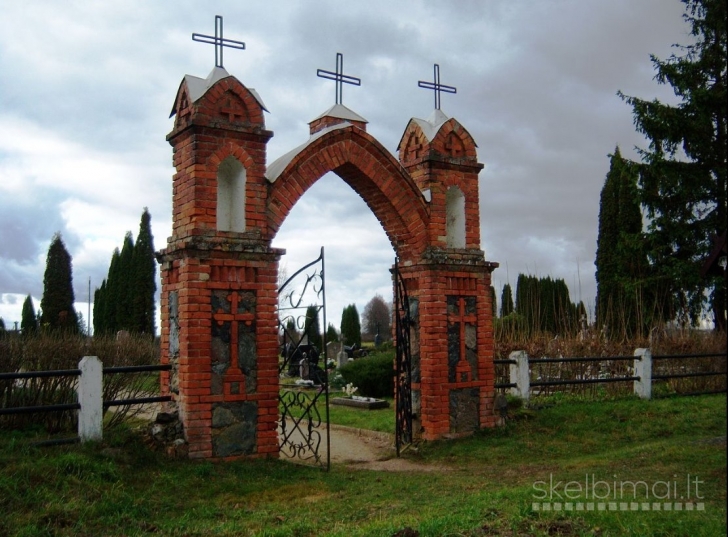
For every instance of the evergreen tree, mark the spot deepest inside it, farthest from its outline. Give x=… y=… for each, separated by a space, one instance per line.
x=312 y=327
x=544 y=305
x=100 y=326
x=112 y=294
x=144 y=285
x=29 y=320
x=547 y=304
x=528 y=302
x=56 y=305
x=621 y=263
x=506 y=301
x=350 y=326
x=682 y=175
x=125 y=290
x=2 y=328
x=331 y=334
x=564 y=312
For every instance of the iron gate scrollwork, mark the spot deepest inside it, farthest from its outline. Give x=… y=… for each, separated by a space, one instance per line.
x=403 y=362
x=304 y=388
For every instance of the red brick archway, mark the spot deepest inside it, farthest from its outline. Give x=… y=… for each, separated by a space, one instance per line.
x=370 y=170
x=219 y=280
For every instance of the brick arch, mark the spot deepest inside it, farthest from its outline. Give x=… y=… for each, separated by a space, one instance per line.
x=370 y=170
x=230 y=149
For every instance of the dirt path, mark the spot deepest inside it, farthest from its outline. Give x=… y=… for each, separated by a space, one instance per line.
x=355 y=448
x=370 y=450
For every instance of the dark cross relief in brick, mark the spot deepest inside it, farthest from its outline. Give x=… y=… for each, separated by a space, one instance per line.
x=233 y=343
x=233 y=110
x=219 y=41
x=461 y=335
x=339 y=77
x=414 y=147
x=437 y=87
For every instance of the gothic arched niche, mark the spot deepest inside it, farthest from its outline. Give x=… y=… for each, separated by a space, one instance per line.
x=455 y=217
x=231 y=179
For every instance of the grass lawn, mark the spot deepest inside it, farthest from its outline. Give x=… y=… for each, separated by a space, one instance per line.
x=479 y=486
x=381 y=419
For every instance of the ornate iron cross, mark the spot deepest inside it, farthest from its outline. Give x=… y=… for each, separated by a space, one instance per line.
x=219 y=41
x=339 y=77
x=437 y=87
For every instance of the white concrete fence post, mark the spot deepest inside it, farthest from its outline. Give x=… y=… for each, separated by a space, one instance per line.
x=90 y=397
x=520 y=375
x=643 y=370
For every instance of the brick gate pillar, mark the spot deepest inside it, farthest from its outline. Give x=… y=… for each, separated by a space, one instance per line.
x=219 y=275
x=453 y=371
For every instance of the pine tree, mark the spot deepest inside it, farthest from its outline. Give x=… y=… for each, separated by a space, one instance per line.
x=506 y=301
x=682 y=175
x=144 y=284
x=56 y=305
x=29 y=320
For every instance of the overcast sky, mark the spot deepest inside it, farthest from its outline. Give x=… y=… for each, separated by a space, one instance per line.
x=86 y=88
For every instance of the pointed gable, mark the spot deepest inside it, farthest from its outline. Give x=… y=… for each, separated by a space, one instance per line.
x=454 y=142
x=437 y=136
x=220 y=100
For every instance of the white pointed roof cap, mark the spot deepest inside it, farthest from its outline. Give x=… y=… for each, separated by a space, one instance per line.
x=432 y=124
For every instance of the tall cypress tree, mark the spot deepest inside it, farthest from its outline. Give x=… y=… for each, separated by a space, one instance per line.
x=683 y=174
x=622 y=271
x=312 y=327
x=331 y=333
x=100 y=326
x=144 y=285
x=56 y=305
x=528 y=302
x=112 y=294
x=125 y=291
x=350 y=326
x=29 y=320
x=506 y=301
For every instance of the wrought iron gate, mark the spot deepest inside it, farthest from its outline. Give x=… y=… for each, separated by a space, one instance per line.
x=304 y=387
x=403 y=365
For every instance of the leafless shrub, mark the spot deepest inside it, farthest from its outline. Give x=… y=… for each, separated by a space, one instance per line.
x=593 y=344
x=47 y=352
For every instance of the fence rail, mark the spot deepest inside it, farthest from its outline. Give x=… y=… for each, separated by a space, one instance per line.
x=41 y=374
x=89 y=392
x=642 y=377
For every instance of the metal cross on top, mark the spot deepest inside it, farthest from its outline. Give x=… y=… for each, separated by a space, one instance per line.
x=437 y=87
x=339 y=77
x=219 y=41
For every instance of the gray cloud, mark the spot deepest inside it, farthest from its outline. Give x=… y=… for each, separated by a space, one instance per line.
x=87 y=89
